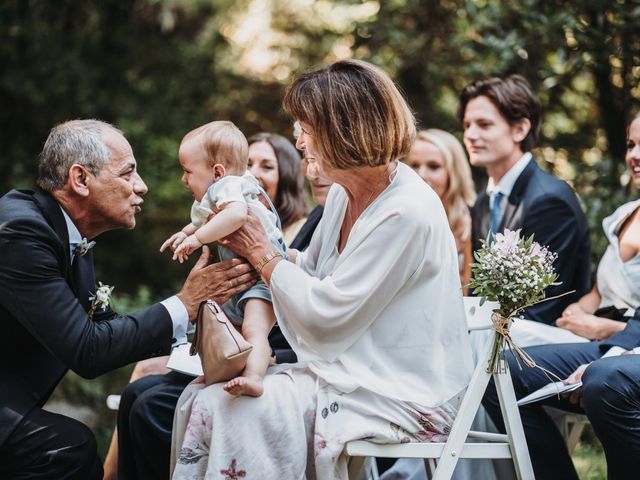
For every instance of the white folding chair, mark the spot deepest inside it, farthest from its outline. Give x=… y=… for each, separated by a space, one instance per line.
x=511 y=445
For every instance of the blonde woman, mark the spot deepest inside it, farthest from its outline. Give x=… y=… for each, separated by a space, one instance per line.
x=439 y=159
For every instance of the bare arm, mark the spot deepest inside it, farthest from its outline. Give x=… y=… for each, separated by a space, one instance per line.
x=177 y=238
x=226 y=221
x=579 y=319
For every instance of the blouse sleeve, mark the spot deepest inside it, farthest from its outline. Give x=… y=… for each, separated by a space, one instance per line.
x=329 y=315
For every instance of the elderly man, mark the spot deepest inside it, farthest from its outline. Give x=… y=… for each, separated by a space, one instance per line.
x=88 y=184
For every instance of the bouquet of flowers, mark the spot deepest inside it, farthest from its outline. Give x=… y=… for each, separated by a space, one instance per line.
x=514 y=272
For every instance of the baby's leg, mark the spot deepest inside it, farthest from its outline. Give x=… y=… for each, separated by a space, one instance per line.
x=258 y=321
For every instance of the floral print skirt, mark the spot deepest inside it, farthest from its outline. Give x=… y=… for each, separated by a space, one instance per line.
x=296 y=430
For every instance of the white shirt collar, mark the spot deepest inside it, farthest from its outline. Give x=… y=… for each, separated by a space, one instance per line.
x=506 y=183
x=74 y=234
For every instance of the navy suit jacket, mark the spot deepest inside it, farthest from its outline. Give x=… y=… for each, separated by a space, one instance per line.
x=542 y=205
x=43 y=311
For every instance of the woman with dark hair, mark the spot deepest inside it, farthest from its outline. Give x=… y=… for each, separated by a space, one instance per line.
x=275 y=162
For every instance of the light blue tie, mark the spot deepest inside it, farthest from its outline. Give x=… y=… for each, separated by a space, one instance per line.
x=496 y=212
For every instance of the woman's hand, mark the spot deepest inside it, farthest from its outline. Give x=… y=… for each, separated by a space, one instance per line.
x=587 y=325
x=249 y=241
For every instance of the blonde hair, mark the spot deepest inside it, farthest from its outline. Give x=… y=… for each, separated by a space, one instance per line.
x=356 y=114
x=460 y=193
x=223 y=143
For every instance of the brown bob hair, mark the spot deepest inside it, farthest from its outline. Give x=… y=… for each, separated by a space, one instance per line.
x=357 y=115
x=513 y=98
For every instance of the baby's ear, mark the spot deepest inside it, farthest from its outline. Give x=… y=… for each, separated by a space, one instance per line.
x=218 y=171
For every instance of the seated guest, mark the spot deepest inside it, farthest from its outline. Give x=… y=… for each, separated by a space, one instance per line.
x=609 y=397
x=611 y=386
x=370 y=316
x=87 y=184
x=501 y=120
x=439 y=159
x=275 y=162
x=617 y=289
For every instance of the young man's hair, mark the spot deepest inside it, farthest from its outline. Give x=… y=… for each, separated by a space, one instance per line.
x=356 y=114
x=223 y=143
x=513 y=98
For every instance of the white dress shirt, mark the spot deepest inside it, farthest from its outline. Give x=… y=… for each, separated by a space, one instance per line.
x=175 y=307
x=506 y=183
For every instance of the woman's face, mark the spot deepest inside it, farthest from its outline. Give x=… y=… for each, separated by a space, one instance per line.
x=263 y=164
x=633 y=152
x=320 y=185
x=428 y=162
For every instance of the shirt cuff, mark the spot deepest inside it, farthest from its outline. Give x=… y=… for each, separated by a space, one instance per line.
x=179 y=317
x=613 y=352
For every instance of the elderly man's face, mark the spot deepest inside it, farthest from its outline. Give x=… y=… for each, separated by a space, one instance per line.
x=116 y=192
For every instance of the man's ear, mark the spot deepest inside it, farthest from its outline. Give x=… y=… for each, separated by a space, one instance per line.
x=79 y=180
x=218 y=171
x=520 y=130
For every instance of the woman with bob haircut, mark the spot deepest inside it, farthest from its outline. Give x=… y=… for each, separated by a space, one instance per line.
x=372 y=308
x=439 y=158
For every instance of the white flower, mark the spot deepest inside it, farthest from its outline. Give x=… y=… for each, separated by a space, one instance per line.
x=83 y=247
x=100 y=300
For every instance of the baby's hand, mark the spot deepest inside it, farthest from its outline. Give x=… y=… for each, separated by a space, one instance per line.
x=174 y=241
x=186 y=247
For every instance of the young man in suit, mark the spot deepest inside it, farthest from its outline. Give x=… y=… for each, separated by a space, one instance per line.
x=88 y=184
x=501 y=120
x=609 y=396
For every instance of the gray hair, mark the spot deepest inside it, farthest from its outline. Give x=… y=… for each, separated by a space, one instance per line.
x=73 y=142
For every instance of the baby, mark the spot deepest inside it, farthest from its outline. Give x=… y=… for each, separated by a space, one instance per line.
x=214 y=160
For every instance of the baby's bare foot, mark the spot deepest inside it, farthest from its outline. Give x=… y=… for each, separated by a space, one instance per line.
x=251 y=386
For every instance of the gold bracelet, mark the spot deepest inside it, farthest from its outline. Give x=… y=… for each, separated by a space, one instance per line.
x=266 y=259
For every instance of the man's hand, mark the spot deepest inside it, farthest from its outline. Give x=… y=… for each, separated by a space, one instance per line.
x=575 y=377
x=219 y=281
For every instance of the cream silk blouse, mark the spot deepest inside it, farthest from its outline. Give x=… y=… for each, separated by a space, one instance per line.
x=386 y=314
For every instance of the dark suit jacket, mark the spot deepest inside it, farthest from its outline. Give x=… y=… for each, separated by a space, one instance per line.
x=43 y=312
x=628 y=338
x=546 y=207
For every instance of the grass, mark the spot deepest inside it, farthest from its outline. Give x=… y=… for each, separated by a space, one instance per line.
x=588 y=457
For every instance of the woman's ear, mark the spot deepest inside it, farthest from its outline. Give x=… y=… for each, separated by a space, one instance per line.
x=520 y=130
x=79 y=180
x=218 y=172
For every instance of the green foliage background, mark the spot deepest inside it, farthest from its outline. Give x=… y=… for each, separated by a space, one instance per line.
x=157 y=69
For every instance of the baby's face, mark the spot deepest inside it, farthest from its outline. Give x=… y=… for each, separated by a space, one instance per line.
x=198 y=176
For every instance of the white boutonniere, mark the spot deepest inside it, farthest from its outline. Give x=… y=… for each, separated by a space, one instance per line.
x=83 y=247
x=100 y=299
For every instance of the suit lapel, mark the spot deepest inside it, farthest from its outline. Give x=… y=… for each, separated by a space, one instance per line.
x=513 y=202
x=53 y=214
x=80 y=276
